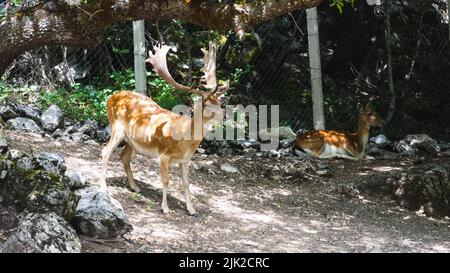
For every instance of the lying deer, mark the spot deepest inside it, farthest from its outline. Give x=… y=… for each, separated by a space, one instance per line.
x=148 y=129
x=327 y=144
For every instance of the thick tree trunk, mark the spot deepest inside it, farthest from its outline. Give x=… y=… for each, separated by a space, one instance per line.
x=74 y=23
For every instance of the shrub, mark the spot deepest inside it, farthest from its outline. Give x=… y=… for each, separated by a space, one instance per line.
x=81 y=104
x=5 y=91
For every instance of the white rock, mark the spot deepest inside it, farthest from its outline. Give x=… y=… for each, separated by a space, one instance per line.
x=228 y=168
x=43 y=233
x=52 y=118
x=99 y=215
x=25 y=125
x=380 y=139
x=76 y=180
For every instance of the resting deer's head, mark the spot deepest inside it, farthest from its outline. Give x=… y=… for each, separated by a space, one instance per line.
x=368 y=115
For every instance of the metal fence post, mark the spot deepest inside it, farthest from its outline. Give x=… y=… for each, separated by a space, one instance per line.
x=140 y=73
x=316 y=71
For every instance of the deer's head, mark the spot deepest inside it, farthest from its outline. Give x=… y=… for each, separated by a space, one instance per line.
x=369 y=116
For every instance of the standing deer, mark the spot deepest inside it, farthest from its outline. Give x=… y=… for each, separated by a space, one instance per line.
x=148 y=129
x=327 y=144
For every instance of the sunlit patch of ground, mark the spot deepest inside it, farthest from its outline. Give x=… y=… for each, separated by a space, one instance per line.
x=250 y=211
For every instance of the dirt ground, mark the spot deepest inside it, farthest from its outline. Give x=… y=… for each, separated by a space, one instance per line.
x=259 y=209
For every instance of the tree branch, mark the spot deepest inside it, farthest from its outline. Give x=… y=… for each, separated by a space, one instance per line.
x=71 y=23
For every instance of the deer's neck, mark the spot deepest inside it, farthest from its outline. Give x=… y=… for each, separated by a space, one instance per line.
x=200 y=122
x=363 y=132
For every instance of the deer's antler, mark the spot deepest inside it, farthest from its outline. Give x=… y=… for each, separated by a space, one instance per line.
x=209 y=67
x=209 y=79
x=209 y=71
x=159 y=62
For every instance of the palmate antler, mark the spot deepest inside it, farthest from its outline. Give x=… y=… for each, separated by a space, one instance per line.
x=159 y=62
x=209 y=67
x=209 y=79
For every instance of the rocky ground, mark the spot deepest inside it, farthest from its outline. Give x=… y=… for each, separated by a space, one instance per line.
x=252 y=202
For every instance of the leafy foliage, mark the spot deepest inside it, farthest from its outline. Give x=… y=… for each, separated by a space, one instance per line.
x=161 y=92
x=87 y=102
x=123 y=80
x=339 y=4
x=81 y=104
x=5 y=91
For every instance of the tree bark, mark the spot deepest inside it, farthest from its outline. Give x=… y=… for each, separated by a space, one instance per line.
x=80 y=23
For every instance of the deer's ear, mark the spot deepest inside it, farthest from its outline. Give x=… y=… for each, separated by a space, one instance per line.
x=369 y=107
x=360 y=107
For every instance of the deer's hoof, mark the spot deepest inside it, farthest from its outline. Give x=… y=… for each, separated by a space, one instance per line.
x=104 y=188
x=165 y=210
x=192 y=212
x=135 y=188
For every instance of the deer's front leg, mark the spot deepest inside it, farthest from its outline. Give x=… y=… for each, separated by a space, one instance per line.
x=164 y=168
x=184 y=170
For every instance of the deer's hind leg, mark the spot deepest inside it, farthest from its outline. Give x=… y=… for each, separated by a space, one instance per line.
x=126 y=155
